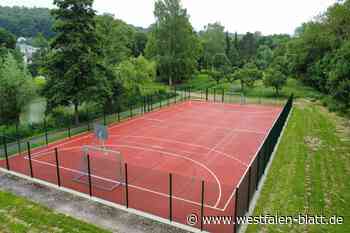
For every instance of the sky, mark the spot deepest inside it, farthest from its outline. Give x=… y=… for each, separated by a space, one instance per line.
x=266 y=16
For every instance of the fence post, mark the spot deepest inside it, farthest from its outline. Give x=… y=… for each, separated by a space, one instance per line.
x=88 y=118
x=160 y=100
x=118 y=113
x=223 y=96
x=130 y=111
x=126 y=186
x=69 y=135
x=57 y=168
x=151 y=102
x=214 y=95
x=89 y=174
x=104 y=117
x=235 y=211
x=249 y=184
x=168 y=98
x=175 y=94
x=170 y=197
x=30 y=160
x=202 y=206
x=257 y=173
x=18 y=140
x=206 y=94
x=6 y=153
x=46 y=135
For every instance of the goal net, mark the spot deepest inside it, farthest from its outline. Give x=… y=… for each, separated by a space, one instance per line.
x=106 y=167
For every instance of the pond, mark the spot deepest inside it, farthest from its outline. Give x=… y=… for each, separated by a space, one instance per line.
x=34 y=112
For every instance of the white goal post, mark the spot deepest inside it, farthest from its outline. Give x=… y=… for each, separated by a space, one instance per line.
x=106 y=167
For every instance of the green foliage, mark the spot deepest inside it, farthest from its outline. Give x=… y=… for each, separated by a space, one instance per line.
x=275 y=78
x=264 y=57
x=40 y=41
x=26 y=22
x=16 y=90
x=139 y=44
x=247 y=75
x=248 y=47
x=7 y=39
x=339 y=81
x=73 y=64
x=318 y=56
x=115 y=37
x=174 y=43
x=214 y=42
x=135 y=73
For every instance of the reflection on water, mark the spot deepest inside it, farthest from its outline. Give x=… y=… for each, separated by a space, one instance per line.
x=34 y=112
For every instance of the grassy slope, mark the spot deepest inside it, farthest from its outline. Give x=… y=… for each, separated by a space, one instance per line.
x=307 y=175
x=18 y=215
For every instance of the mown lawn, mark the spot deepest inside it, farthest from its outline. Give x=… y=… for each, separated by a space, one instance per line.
x=19 y=215
x=310 y=173
x=203 y=81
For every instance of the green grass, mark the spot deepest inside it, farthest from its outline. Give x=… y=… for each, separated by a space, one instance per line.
x=19 y=215
x=308 y=177
x=203 y=81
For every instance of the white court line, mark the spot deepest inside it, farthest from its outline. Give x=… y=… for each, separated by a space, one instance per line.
x=116 y=125
x=246 y=106
x=184 y=143
x=137 y=187
x=206 y=126
x=79 y=137
x=183 y=157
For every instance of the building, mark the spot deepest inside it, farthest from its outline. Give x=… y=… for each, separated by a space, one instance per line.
x=27 y=50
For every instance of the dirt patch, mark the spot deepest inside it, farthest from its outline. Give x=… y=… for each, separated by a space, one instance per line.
x=313 y=143
x=106 y=217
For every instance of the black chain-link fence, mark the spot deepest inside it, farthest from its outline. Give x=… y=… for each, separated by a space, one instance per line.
x=173 y=197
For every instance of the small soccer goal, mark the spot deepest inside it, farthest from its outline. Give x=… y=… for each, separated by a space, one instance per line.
x=106 y=167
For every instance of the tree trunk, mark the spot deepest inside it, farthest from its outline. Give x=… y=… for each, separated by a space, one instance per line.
x=242 y=86
x=170 y=81
x=277 y=91
x=76 y=113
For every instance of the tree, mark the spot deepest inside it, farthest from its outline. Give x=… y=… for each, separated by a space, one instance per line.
x=39 y=57
x=7 y=39
x=221 y=67
x=264 y=57
x=26 y=22
x=247 y=75
x=139 y=43
x=136 y=73
x=214 y=42
x=16 y=90
x=228 y=44
x=275 y=78
x=176 y=46
x=116 y=39
x=40 y=41
x=73 y=63
x=339 y=82
x=248 y=47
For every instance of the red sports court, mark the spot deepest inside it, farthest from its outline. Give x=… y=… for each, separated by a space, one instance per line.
x=194 y=141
